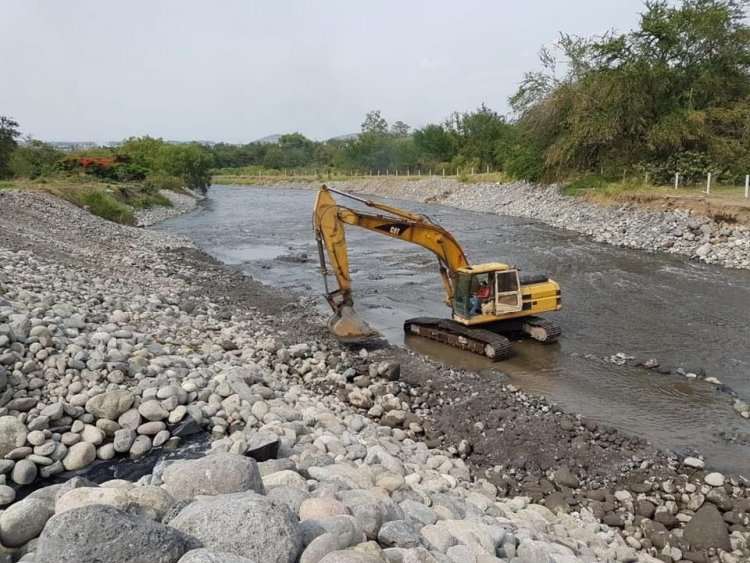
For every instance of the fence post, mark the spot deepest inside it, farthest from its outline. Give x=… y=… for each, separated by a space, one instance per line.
x=677 y=180
x=708 y=183
x=488 y=169
x=472 y=170
x=443 y=171
x=747 y=186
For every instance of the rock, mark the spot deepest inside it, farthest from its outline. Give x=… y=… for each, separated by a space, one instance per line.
x=714 y=479
x=24 y=472
x=110 y=405
x=693 y=462
x=397 y=533
x=286 y=478
x=350 y=556
x=222 y=522
x=104 y=533
x=123 y=440
x=152 y=410
x=371 y=509
x=262 y=446
x=79 y=455
x=210 y=556
x=12 y=434
x=24 y=521
x=320 y=547
x=564 y=478
x=707 y=529
x=212 y=475
x=317 y=508
x=92 y=435
x=7 y=495
x=141 y=446
x=87 y=496
x=151 y=497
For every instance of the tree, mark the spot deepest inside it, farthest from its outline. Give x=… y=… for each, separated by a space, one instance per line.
x=434 y=143
x=400 y=129
x=8 y=134
x=476 y=134
x=677 y=85
x=191 y=162
x=34 y=159
x=374 y=123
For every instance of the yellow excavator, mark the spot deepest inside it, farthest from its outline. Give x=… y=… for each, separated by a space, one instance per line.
x=488 y=301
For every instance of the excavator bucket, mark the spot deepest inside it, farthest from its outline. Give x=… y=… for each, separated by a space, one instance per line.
x=346 y=326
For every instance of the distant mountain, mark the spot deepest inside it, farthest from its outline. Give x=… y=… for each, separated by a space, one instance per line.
x=269 y=140
x=347 y=137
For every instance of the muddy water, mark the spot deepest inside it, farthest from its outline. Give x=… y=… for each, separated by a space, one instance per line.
x=686 y=315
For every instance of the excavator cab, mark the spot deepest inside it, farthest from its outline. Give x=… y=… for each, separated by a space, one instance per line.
x=504 y=292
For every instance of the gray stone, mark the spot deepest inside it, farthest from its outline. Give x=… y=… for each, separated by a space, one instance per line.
x=417 y=514
x=707 y=529
x=262 y=446
x=222 y=522
x=320 y=547
x=210 y=556
x=397 y=533
x=565 y=478
x=141 y=446
x=371 y=509
x=12 y=434
x=24 y=521
x=7 y=495
x=152 y=410
x=110 y=405
x=104 y=533
x=124 y=438
x=350 y=556
x=24 y=472
x=290 y=496
x=212 y=475
x=79 y=455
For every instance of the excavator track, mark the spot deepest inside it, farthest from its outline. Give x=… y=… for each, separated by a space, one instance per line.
x=477 y=340
x=541 y=329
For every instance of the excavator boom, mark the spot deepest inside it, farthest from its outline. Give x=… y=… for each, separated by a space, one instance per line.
x=330 y=219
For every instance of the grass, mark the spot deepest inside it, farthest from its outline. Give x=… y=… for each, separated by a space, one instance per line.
x=598 y=189
x=241 y=177
x=114 y=202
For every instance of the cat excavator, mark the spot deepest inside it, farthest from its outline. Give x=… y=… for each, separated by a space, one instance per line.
x=489 y=302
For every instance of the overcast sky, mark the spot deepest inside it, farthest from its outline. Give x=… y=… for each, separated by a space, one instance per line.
x=238 y=70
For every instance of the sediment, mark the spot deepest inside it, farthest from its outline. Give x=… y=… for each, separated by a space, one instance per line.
x=115 y=341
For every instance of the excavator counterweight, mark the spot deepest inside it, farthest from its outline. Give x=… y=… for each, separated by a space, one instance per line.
x=488 y=301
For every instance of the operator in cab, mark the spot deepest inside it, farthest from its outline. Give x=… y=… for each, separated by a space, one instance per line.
x=482 y=294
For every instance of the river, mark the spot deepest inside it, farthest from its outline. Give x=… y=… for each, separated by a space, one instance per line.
x=685 y=314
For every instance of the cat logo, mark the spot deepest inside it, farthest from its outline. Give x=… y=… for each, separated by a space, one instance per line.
x=394 y=229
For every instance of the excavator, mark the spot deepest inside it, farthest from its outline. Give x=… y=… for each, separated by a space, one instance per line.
x=489 y=302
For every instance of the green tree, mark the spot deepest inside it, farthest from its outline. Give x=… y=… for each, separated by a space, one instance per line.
x=434 y=144
x=476 y=135
x=679 y=84
x=34 y=159
x=9 y=134
x=375 y=123
x=191 y=162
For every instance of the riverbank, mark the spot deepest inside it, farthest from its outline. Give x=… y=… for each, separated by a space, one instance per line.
x=669 y=229
x=113 y=337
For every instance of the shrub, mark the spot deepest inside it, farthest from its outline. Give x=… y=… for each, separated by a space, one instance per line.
x=105 y=206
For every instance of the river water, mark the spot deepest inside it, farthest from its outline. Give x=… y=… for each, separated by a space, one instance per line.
x=685 y=314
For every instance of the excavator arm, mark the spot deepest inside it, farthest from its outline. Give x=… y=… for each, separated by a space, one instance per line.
x=329 y=221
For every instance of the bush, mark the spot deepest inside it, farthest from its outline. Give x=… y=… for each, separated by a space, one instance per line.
x=158 y=182
x=105 y=206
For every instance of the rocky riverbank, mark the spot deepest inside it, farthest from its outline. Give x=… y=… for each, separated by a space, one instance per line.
x=674 y=231
x=115 y=341
x=182 y=202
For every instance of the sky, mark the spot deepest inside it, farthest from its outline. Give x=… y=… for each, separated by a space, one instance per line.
x=238 y=70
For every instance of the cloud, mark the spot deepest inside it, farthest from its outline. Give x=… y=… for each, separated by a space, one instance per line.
x=429 y=64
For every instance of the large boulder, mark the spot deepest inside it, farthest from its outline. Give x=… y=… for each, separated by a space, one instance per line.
x=707 y=529
x=24 y=521
x=212 y=475
x=12 y=434
x=104 y=533
x=79 y=455
x=245 y=524
x=87 y=496
x=371 y=509
x=110 y=405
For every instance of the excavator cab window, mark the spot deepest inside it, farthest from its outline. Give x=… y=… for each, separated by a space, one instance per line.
x=462 y=294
